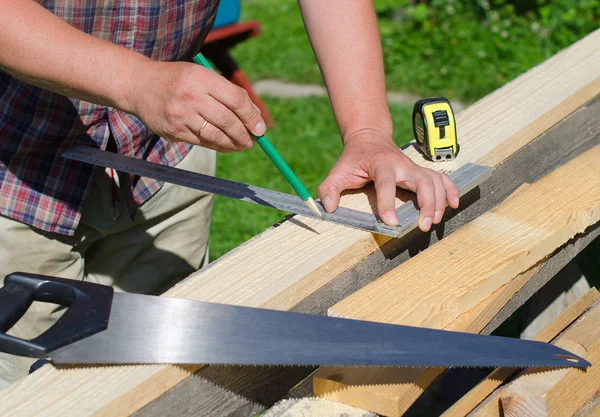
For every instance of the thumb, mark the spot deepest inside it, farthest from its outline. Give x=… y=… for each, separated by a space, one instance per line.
x=330 y=190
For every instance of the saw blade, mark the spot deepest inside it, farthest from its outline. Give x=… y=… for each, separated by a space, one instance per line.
x=466 y=178
x=147 y=329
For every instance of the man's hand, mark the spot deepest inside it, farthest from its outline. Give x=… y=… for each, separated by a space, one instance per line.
x=175 y=99
x=373 y=156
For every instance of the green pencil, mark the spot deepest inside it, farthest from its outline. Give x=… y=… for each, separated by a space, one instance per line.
x=274 y=156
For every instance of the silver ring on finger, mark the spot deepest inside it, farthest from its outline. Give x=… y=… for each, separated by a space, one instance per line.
x=199 y=132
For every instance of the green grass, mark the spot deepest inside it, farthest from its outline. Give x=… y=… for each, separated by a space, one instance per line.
x=282 y=50
x=308 y=139
x=463 y=49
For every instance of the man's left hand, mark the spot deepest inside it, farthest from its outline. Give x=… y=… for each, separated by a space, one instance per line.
x=373 y=156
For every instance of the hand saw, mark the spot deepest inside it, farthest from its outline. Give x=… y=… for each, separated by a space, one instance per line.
x=466 y=178
x=103 y=327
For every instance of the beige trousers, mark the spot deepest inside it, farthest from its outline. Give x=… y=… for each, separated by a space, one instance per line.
x=167 y=241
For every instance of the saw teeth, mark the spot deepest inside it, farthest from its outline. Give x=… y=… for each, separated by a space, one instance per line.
x=399 y=367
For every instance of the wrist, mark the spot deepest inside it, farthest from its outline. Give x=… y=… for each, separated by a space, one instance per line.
x=136 y=80
x=369 y=135
x=367 y=126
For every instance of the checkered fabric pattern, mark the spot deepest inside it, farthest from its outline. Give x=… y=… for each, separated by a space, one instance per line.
x=37 y=186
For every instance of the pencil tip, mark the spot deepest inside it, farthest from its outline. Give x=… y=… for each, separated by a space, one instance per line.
x=310 y=203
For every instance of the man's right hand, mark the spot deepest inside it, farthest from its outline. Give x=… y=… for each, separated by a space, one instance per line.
x=175 y=99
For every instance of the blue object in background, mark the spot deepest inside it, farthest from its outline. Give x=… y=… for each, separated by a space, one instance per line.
x=227 y=13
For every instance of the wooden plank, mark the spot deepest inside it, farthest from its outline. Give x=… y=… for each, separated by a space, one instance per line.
x=304 y=254
x=548 y=333
x=443 y=388
x=480 y=392
x=547 y=272
x=455 y=282
x=227 y=390
x=559 y=392
x=591 y=408
x=595 y=412
x=549 y=302
x=200 y=397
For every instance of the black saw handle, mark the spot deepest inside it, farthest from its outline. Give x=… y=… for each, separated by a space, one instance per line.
x=88 y=310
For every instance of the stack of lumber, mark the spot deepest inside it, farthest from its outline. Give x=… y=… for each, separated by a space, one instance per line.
x=462 y=282
x=506 y=237
x=482 y=392
x=546 y=392
x=557 y=392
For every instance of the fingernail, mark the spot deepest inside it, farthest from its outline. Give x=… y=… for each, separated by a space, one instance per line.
x=260 y=129
x=390 y=218
x=455 y=202
x=426 y=224
x=437 y=217
x=326 y=203
x=249 y=144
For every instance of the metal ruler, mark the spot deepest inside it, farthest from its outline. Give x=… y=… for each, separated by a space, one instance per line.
x=466 y=178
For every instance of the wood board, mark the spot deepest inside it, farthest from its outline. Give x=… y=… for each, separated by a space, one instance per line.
x=558 y=392
x=306 y=254
x=480 y=392
x=461 y=282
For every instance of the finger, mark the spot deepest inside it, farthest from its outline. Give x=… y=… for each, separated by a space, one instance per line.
x=440 y=196
x=214 y=138
x=238 y=101
x=193 y=140
x=385 y=187
x=330 y=191
x=452 y=193
x=426 y=199
x=423 y=185
x=211 y=137
x=256 y=108
x=223 y=118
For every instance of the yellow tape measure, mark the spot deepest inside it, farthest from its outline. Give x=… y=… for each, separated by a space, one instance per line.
x=434 y=128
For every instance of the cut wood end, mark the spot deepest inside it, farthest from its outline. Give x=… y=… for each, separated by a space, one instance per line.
x=517 y=406
x=383 y=401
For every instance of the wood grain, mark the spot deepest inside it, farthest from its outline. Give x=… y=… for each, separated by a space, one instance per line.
x=452 y=284
x=591 y=408
x=594 y=411
x=284 y=265
x=559 y=392
x=480 y=392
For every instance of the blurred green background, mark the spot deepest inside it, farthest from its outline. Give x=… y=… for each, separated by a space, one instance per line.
x=462 y=49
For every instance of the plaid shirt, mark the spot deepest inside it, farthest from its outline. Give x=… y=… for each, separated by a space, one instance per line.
x=39 y=187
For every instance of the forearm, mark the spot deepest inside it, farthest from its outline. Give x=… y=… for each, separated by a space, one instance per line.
x=345 y=38
x=43 y=50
